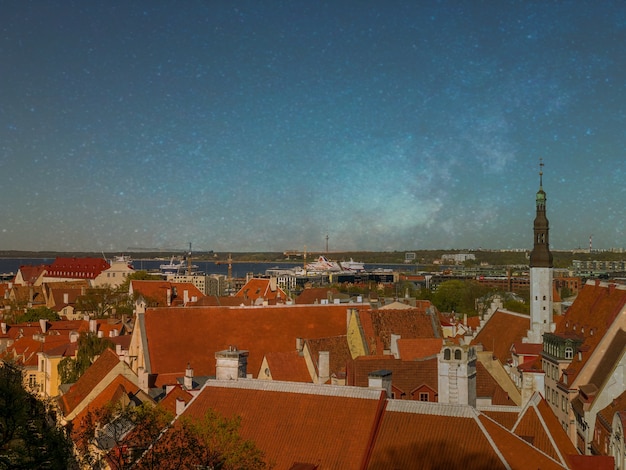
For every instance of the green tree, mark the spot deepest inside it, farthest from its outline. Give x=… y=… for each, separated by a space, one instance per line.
x=458 y=296
x=89 y=347
x=29 y=436
x=215 y=441
x=133 y=437
x=38 y=313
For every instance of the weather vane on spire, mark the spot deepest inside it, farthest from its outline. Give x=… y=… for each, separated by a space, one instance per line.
x=540 y=172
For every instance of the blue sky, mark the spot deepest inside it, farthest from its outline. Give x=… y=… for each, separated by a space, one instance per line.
x=264 y=126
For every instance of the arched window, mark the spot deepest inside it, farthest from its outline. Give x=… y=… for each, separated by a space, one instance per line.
x=457 y=354
x=569 y=352
x=446 y=354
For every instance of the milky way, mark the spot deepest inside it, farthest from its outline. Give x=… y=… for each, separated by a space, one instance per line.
x=388 y=125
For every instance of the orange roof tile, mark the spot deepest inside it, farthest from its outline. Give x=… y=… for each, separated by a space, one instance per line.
x=419 y=348
x=501 y=330
x=158 y=293
x=432 y=435
x=314 y=295
x=119 y=387
x=178 y=336
x=329 y=425
x=538 y=421
x=176 y=393
x=339 y=353
x=406 y=376
x=488 y=387
x=86 y=383
x=261 y=288
x=288 y=366
x=589 y=318
x=410 y=323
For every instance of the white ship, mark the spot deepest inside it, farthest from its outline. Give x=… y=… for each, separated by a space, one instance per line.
x=352 y=266
x=177 y=265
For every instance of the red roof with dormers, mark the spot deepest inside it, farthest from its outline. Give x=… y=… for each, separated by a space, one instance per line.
x=261 y=289
x=77 y=268
x=177 y=336
x=590 y=317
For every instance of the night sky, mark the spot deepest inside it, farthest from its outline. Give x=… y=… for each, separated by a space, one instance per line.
x=266 y=125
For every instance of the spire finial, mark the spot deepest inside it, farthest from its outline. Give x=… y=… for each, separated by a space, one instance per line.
x=540 y=172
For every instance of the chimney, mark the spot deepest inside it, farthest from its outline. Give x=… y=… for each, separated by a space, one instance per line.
x=142 y=379
x=93 y=326
x=394 y=345
x=231 y=364
x=180 y=406
x=323 y=367
x=3 y=326
x=273 y=283
x=188 y=379
x=380 y=379
x=66 y=298
x=168 y=297
x=185 y=297
x=43 y=323
x=299 y=345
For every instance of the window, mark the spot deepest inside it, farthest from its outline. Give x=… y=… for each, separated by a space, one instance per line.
x=457 y=354
x=569 y=352
x=563 y=401
x=446 y=354
x=424 y=396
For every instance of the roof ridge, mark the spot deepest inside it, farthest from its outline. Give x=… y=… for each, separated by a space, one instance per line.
x=297 y=387
x=432 y=408
x=490 y=440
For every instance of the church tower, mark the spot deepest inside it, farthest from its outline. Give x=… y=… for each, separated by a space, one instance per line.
x=540 y=272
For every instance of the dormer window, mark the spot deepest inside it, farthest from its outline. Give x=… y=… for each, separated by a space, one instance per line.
x=569 y=352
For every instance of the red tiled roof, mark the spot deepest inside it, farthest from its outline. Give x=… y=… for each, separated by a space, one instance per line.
x=406 y=376
x=176 y=393
x=501 y=330
x=589 y=318
x=288 y=366
x=30 y=274
x=339 y=353
x=488 y=387
x=419 y=348
x=119 y=389
x=538 y=421
x=77 y=268
x=410 y=323
x=331 y=426
x=314 y=295
x=516 y=451
x=177 y=336
x=156 y=292
x=90 y=379
x=257 y=288
x=433 y=436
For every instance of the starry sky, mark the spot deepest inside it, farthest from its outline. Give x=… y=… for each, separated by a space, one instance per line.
x=267 y=125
